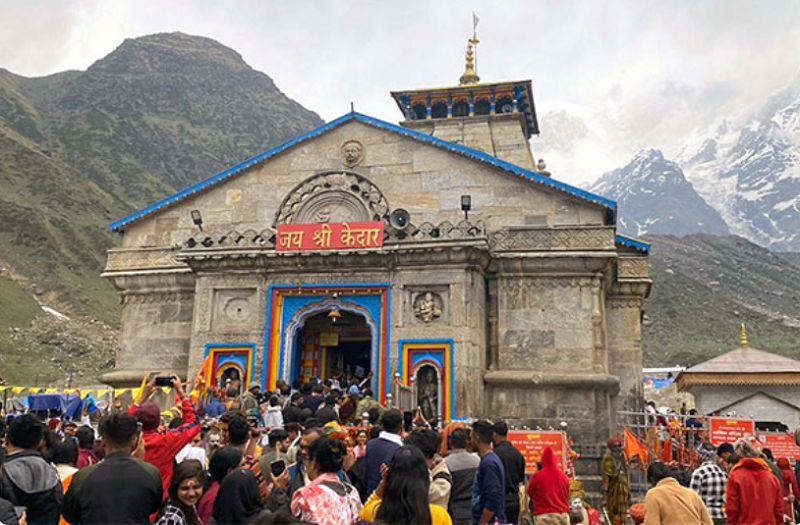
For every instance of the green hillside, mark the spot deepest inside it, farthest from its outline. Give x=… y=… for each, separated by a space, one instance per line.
x=81 y=148
x=705 y=286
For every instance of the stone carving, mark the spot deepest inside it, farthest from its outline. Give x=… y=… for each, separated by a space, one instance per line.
x=428 y=307
x=443 y=231
x=234 y=308
x=332 y=197
x=157 y=297
x=632 y=267
x=237 y=310
x=625 y=302
x=130 y=259
x=332 y=206
x=352 y=153
x=524 y=239
x=232 y=239
x=507 y=284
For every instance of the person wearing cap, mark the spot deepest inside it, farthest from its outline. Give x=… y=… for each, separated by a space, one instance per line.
x=616 y=489
x=710 y=481
x=161 y=447
x=250 y=400
x=367 y=402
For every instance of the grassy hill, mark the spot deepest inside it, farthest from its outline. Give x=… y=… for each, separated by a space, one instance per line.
x=79 y=149
x=705 y=286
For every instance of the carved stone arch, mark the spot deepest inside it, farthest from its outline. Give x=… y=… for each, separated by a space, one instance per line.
x=330 y=197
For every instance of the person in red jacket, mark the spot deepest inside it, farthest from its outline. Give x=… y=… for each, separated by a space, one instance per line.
x=161 y=446
x=790 y=488
x=754 y=493
x=549 y=491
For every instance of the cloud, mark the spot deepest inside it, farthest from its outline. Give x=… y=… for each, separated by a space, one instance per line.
x=637 y=73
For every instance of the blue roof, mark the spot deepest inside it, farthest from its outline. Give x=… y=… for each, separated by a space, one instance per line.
x=353 y=116
x=633 y=243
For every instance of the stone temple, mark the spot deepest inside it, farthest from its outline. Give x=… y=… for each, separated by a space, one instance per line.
x=435 y=249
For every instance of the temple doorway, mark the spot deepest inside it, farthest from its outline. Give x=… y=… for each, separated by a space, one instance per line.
x=332 y=343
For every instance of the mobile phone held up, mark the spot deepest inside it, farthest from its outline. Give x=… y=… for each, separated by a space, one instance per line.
x=277 y=467
x=163 y=381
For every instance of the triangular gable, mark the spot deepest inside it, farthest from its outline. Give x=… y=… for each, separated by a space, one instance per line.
x=465 y=151
x=754 y=394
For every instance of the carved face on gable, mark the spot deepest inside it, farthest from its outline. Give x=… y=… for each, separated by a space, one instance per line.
x=352 y=153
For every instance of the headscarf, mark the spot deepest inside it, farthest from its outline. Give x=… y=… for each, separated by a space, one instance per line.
x=784 y=464
x=446 y=431
x=238 y=499
x=746 y=447
x=614 y=441
x=707 y=452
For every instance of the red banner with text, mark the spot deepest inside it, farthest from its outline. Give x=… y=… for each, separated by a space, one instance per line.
x=781 y=445
x=531 y=443
x=726 y=430
x=329 y=236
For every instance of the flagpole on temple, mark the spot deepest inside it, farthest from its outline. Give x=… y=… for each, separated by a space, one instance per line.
x=474 y=39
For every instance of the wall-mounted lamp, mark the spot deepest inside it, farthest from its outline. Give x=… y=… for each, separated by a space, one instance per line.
x=197 y=219
x=466 y=205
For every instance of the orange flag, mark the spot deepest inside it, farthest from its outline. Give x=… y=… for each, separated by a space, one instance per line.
x=666 y=452
x=634 y=447
x=204 y=373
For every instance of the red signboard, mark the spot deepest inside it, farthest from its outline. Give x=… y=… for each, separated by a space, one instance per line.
x=329 y=236
x=725 y=430
x=531 y=443
x=781 y=445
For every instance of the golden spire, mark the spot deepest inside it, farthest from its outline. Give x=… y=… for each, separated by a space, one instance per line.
x=744 y=336
x=470 y=76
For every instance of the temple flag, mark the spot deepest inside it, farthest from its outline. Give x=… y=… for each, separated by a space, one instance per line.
x=138 y=392
x=204 y=374
x=634 y=447
x=666 y=452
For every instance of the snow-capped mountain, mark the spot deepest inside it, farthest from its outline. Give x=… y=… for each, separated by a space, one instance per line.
x=751 y=173
x=654 y=197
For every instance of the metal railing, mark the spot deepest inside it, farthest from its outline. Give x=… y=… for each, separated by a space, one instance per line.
x=402 y=397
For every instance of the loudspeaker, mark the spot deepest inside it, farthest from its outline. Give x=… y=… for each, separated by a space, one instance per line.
x=399 y=219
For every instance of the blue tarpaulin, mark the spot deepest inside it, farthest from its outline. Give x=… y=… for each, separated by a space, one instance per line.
x=658 y=382
x=69 y=405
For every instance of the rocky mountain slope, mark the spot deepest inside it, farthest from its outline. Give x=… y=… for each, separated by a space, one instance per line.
x=705 y=286
x=81 y=148
x=750 y=172
x=654 y=197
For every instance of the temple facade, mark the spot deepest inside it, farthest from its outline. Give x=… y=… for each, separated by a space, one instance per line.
x=435 y=250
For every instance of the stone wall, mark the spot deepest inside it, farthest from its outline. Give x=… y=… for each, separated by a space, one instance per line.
x=425 y=180
x=156 y=326
x=762 y=403
x=502 y=136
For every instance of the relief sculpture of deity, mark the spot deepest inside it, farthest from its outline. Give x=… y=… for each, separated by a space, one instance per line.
x=428 y=307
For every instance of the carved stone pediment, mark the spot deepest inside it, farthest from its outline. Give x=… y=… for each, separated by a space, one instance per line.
x=340 y=196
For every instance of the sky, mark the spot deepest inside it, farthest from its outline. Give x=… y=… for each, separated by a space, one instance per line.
x=608 y=78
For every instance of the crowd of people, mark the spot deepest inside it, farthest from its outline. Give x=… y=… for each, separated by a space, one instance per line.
x=328 y=453
x=738 y=483
x=319 y=452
